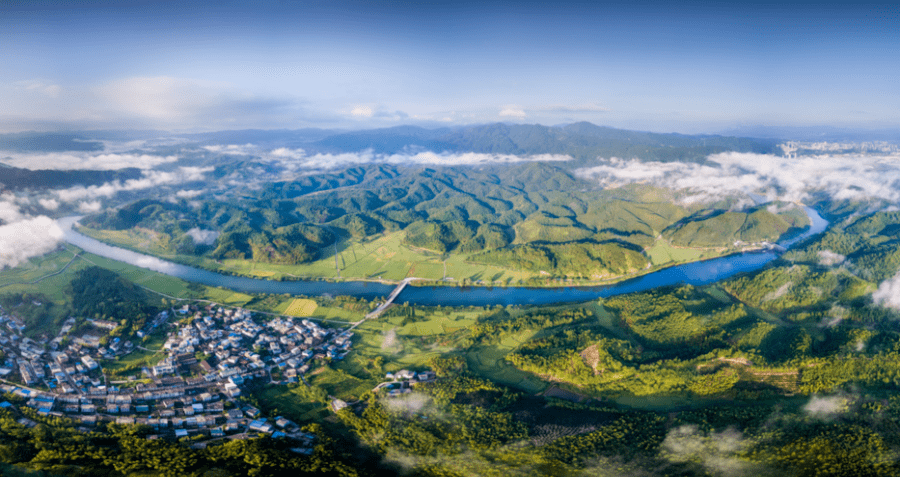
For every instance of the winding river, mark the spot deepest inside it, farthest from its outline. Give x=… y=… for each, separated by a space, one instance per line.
x=695 y=273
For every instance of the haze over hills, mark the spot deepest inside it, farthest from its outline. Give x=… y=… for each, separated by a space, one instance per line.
x=453 y=238
x=581 y=140
x=630 y=379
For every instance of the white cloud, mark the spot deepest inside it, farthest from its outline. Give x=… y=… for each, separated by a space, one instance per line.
x=390 y=340
x=718 y=452
x=203 y=237
x=888 y=293
x=362 y=112
x=512 y=111
x=851 y=176
x=829 y=258
x=84 y=160
x=298 y=159
x=234 y=149
x=9 y=211
x=575 y=108
x=26 y=238
x=835 y=316
x=49 y=204
x=89 y=207
x=412 y=403
x=42 y=87
x=286 y=153
x=188 y=194
x=827 y=406
x=150 y=179
x=160 y=97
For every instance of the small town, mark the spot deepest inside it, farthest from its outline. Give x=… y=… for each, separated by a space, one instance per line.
x=181 y=396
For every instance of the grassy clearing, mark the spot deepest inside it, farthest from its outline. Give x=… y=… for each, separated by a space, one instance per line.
x=36 y=269
x=329 y=313
x=404 y=346
x=383 y=257
x=226 y=296
x=340 y=383
x=291 y=402
x=137 y=239
x=662 y=252
x=150 y=356
x=301 y=307
x=490 y=362
x=41 y=275
x=412 y=345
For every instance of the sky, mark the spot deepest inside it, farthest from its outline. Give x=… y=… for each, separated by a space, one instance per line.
x=659 y=66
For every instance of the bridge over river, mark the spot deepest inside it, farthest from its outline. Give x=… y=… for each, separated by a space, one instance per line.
x=387 y=303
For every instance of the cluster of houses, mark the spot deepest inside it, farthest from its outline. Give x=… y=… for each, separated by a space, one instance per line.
x=233 y=343
x=210 y=356
x=73 y=368
x=185 y=412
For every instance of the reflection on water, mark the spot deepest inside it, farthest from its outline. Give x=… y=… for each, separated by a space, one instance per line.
x=696 y=273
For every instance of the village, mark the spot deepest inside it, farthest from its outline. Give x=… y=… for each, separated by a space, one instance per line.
x=181 y=396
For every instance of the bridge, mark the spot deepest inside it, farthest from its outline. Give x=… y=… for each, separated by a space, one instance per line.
x=384 y=306
x=390 y=299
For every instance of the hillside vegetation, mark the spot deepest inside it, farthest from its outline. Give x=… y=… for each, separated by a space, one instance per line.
x=534 y=218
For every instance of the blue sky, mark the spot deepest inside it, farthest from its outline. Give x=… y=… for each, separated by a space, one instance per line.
x=686 y=67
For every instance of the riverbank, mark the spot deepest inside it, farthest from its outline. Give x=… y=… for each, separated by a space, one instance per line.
x=429 y=273
x=695 y=273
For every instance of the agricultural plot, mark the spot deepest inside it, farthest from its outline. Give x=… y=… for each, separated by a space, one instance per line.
x=139 y=239
x=292 y=402
x=36 y=268
x=301 y=307
x=410 y=345
x=662 y=253
x=47 y=275
x=490 y=362
x=227 y=297
x=384 y=257
x=340 y=384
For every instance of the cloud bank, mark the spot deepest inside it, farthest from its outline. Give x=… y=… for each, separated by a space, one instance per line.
x=299 y=159
x=851 y=176
x=824 y=407
x=78 y=160
x=828 y=258
x=9 y=211
x=150 y=179
x=203 y=237
x=26 y=238
x=719 y=452
x=888 y=293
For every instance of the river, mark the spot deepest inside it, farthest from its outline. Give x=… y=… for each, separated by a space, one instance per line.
x=695 y=273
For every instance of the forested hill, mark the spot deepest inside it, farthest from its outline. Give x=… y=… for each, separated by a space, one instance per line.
x=580 y=140
x=533 y=218
x=46 y=142
x=18 y=178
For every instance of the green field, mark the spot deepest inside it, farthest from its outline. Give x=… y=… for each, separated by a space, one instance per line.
x=42 y=275
x=434 y=333
x=301 y=307
x=381 y=257
x=150 y=356
x=291 y=402
x=384 y=257
x=662 y=252
x=489 y=362
x=140 y=239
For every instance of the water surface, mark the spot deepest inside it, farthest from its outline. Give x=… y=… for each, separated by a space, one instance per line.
x=695 y=273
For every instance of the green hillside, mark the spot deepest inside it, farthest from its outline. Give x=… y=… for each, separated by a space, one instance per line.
x=502 y=221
